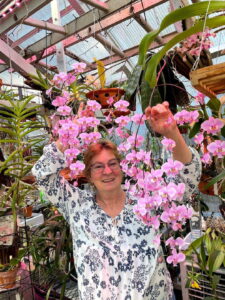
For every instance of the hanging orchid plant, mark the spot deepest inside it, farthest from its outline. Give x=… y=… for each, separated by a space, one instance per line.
x=160 y=201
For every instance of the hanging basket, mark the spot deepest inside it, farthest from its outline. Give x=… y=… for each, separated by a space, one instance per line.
x=209 y=80
x=103 y=95
x=184 y=66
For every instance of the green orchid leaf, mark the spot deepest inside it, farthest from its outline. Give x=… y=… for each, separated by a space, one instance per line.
x=8 y=141
x=196 y=9
x=133 y=81
x=195 y=129
x=215 y=281
x=188 y=283
x=194 y=245
x=215 y=260
x=202 y=253
x=208 y=243
x=223 y=131
x=150 y=74
x=214 y=104
x=9 y=131
x=216 y=179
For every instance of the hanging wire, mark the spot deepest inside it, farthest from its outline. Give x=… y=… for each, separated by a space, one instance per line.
x=143 y=10
x=195 y=65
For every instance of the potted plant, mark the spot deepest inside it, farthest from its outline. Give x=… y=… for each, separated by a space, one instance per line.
x=207 y=254
x=103 y=94
x=201 y=9
x=18 y=124
x=8 y=272
x=206 y=110
x=52 y=253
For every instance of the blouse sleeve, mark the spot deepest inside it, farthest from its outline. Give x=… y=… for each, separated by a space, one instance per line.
x=190 y=175
x=57 y=190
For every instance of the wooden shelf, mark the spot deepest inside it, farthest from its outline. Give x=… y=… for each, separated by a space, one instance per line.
x=209 y=80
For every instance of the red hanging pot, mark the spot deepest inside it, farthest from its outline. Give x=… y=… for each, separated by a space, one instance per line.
x=103 y=95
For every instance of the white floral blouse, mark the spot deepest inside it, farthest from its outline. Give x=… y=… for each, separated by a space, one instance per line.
x=115 y=258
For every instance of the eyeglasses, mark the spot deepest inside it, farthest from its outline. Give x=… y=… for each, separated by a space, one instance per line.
x=98 y=168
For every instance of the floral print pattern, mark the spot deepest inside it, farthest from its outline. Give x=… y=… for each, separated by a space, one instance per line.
x=115 y=258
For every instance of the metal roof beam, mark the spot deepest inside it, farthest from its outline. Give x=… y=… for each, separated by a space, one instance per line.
x=134 y=51
x=141 y=21
x=76 y=6
x=21 y=12
x=110 y=46
x=48 y=67
x=44 y=25
x=88 y=25
x=97 y=4
x=18 y=63
x=36 y=30
x=77 y=58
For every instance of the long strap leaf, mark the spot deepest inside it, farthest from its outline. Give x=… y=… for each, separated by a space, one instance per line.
x=196 y=9
x=150 y=75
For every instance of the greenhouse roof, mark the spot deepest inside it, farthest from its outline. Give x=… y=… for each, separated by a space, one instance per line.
x=51 y=35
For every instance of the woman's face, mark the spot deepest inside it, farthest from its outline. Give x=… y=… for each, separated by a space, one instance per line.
x=105 y=173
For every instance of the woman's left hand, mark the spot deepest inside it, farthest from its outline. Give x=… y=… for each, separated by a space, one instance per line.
x=161 y=119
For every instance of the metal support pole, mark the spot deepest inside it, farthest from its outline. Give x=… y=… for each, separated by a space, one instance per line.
x=60 y=54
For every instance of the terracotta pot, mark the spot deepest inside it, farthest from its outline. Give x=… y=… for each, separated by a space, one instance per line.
x=117 y=113
x=103 y=95
x=8 y=278
x=27 y=211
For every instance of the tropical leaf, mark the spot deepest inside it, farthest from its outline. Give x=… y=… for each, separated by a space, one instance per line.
x=150 y=74
x=214 y=104
x=133 y=81
x=216 y=179
x=223 y=131
x=194 y=245
x=195 y=129
x=215 y=260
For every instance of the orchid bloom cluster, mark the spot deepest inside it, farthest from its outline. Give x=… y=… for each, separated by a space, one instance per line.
x=159 y=199
x=194 y=44
x=74 y=86
x=210 y=129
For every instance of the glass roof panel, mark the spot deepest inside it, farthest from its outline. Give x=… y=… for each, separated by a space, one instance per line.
x=89 y=49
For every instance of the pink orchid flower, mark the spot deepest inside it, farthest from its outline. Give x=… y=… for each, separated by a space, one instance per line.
x=64 y=110
x=172 y=167
x=217 y=148
x=206 y=158
x=169 y=144
x=121 y=105
x=175 y=258
x=79 y=67
x=212 y=125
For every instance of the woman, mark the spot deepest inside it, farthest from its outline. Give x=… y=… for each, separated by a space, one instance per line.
x=114 y=253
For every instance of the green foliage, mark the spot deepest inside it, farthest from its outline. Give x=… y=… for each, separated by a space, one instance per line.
x=14 y=262
x=196 y=9
x=52 y=251
x=15 y=122
x=40 y=80
x=209 y=250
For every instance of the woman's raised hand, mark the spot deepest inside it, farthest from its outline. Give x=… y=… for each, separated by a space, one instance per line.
x=161 y=119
